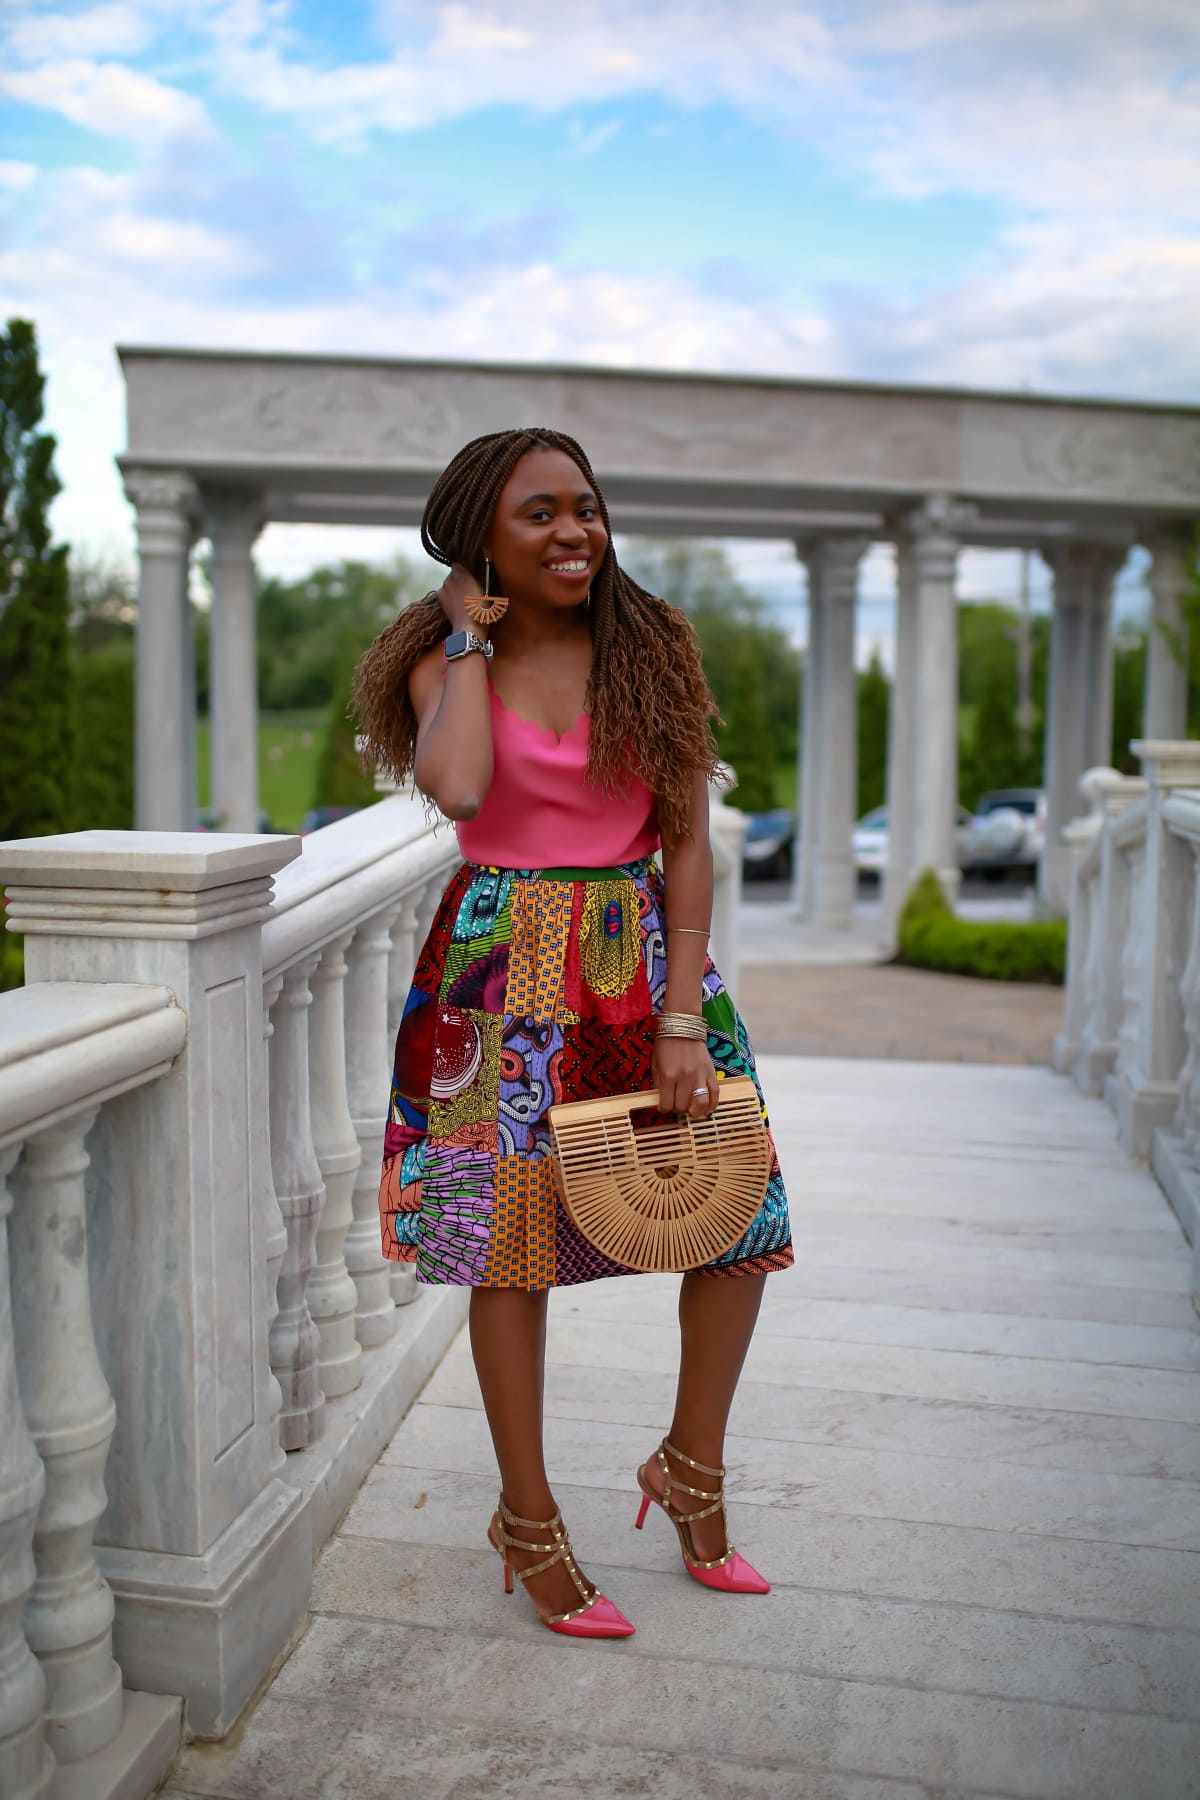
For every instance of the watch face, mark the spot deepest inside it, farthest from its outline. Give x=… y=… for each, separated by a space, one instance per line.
x=455 y=645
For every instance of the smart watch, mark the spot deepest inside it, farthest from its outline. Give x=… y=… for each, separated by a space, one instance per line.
x=461 y=643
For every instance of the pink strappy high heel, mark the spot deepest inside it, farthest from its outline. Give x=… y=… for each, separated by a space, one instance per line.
x=597 y=1617
x=728 y=1574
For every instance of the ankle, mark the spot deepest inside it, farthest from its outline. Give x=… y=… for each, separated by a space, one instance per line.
x=684 y=1453
x=535 y=1504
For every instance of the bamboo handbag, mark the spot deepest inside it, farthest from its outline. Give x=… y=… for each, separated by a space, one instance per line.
x=670 y=1196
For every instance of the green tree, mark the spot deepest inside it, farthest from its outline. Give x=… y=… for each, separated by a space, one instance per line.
x=874 y=701
x=103 y=775
x=340 y=778
x=1129 y=691
x=307 y=629
x=744 y=738
x=35 y=667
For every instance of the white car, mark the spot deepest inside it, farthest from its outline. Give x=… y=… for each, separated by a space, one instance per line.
x=871 y=840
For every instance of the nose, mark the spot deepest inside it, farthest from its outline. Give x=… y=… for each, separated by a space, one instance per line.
x=571 y=532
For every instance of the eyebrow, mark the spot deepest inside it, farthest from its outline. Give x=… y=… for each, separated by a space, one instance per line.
x=529 y=499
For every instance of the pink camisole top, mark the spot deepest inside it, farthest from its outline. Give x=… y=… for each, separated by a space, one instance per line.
x=542 y=813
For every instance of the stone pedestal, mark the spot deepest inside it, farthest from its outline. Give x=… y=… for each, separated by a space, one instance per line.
x=206 y=1550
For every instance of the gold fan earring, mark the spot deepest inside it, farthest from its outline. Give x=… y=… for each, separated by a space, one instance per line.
x=486 y=609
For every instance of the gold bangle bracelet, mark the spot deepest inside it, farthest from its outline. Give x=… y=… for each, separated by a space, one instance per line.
x=692 y=930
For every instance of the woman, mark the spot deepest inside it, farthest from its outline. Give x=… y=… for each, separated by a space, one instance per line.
x=566 y=738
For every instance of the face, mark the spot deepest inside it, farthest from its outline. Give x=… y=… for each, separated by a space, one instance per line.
x=547 y=539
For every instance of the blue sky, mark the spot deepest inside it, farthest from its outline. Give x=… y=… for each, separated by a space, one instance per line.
x=986 y=192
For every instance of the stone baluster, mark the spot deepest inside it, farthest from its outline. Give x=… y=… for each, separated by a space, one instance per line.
x=1080 y=835
x=332 y=1295
x=368 y=1060
x=274 y=1230
x=70 y=1412
x=301 y=1194
x=26 y=1763
x=1133 y=856
x=1148 y=1088
x=1187 y=1115
x=402 y=961
x=1113 y=795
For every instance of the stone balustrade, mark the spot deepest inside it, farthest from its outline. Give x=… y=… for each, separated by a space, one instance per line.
x=210 y=1350
x=1132 y=1025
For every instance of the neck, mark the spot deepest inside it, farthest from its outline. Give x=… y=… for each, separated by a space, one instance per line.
x=526 y=628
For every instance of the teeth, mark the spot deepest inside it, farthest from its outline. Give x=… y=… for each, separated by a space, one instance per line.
x=568 y=568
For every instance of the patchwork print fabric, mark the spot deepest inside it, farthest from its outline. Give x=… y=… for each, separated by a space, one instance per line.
x=533 y=987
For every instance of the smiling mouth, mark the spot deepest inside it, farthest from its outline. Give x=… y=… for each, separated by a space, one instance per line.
x=574 y=565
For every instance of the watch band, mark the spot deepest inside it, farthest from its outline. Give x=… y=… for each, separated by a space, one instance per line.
x=462 y=643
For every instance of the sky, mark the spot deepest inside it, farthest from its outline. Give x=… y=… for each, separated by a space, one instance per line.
x=999 y=193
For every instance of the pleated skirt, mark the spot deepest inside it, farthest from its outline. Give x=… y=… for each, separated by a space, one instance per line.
x=534 y=986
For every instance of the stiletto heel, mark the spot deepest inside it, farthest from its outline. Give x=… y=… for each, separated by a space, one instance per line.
x=642 y=1511
x=597 y=1617
x=728 y=1574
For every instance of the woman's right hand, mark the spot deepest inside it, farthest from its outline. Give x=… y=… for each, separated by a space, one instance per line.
x=459 y=586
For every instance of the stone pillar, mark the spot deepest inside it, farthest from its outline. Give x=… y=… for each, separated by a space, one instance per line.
x=812 y=730
x=234 y=522
x=1079 y=698
x=187 y=685
x=1098 y=676
x=1172 y=565
x=902 y=732
x=166 y=502
x=208 y=1554
x=933 y=530
x=832 y=565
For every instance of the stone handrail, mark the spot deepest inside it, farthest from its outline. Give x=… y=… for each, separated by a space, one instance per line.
x=216 y=1015
x=202 y=1290
x=1132 y=1025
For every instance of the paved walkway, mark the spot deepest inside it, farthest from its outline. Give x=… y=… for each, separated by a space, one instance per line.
x=967 y=1450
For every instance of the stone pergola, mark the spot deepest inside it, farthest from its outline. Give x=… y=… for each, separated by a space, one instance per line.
x=220 y=443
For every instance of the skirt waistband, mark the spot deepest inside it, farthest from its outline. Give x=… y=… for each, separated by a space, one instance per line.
x=630 y=871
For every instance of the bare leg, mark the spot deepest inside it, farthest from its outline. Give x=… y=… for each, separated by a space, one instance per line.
x=717 y=1315
x=508 y=1342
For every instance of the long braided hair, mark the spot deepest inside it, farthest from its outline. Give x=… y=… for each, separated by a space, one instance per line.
x=649 y=702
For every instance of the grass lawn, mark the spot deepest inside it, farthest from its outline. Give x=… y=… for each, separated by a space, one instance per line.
x=289 y=744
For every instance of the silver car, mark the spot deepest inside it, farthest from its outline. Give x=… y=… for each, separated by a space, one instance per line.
x=1008 y=830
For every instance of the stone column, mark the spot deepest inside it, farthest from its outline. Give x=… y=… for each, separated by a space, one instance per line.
x=933 y=530
x=234 y=522
x=166 y=501
x=208 y=1554
x=832 y=567
x=1098 y=684
x=1172 y=565
x=1079 y=699
x=812 y=731
x=187 y=684
x=902 y=732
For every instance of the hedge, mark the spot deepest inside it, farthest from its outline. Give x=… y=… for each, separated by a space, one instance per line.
x=931 y=936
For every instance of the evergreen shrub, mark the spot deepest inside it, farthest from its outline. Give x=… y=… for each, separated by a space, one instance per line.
x=931 y=936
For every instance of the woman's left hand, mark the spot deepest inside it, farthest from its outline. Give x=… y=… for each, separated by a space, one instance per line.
x=680 y=1067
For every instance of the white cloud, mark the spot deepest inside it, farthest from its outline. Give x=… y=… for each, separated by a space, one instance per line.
x=117 y=29
x=17 y=176
x=109 y=98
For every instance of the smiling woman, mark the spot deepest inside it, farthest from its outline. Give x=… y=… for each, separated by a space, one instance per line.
x=567 y=737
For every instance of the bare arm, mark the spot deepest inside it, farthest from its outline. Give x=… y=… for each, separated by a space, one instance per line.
x=681 y=1064
x=453 y=762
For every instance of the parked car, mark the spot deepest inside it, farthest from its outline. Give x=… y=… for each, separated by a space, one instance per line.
x=1008 y=830
x=767 y=849
x=206 y=820
x=871 y=839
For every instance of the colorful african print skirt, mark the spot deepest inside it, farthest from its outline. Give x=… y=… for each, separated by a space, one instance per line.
x=533 y=987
